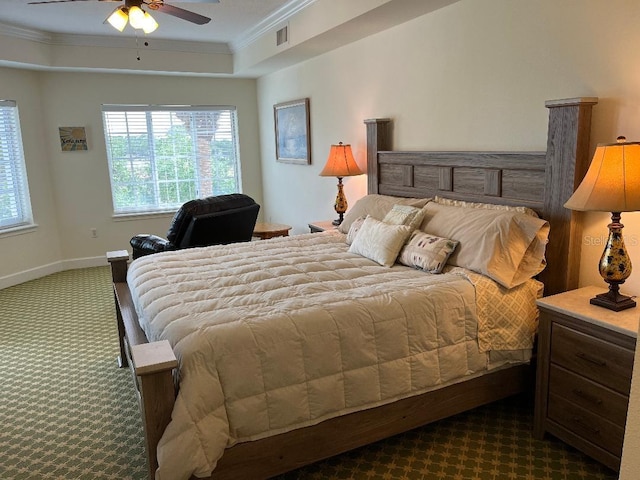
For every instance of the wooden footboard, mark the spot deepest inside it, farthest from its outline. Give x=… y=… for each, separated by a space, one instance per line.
x=271 y=456
x=151 y=364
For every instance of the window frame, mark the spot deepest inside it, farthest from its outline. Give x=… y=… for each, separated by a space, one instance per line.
x=13 y=166
x=201 y=185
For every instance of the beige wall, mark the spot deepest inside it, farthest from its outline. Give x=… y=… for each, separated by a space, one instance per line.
x=70 y=190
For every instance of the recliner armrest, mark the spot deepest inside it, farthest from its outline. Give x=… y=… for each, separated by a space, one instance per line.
x=145 y=244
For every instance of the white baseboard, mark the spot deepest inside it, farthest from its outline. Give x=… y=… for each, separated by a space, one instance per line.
x=38 y=272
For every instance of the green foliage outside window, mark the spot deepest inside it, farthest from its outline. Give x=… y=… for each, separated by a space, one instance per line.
x=163 y=159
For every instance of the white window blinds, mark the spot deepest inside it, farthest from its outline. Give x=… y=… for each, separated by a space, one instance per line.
x=15 y=207
x=162 y=156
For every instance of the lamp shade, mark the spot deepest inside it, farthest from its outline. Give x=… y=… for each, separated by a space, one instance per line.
x=612 y=183
x=118 y=19
x=136 y=17
x=149 y=24
x=341 y=162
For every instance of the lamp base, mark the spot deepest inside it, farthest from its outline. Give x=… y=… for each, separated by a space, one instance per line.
x=613 y=300
x=615 y=268
x=340 y=204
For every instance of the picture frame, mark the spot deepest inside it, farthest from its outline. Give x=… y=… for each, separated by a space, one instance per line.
x=72 y=139
x=292 y=127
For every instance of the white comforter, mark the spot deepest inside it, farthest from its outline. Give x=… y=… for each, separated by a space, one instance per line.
x=279 y=334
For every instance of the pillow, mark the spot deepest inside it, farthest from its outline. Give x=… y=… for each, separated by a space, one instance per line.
x=377 y=206
x=491 y=206
x=404 y=215
x=379 y=241
x=427 y=252
x=504 y=245
x=354 y=229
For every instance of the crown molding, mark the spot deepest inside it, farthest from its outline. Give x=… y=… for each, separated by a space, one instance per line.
x=275 y=19
x=70 y=40
x=132 y=42
x=24 y=33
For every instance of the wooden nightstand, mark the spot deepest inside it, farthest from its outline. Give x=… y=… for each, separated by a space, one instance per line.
x=585 y=359
x=265 y=231
x=321 y=226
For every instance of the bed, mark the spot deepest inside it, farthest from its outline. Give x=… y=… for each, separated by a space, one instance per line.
x=289 y=439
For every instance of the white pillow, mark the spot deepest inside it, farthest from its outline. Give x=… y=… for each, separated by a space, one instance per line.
x=379 y=241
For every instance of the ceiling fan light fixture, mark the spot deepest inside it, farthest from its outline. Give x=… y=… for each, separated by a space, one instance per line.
x=118 y=19
x=136 y=17
x=149 y=25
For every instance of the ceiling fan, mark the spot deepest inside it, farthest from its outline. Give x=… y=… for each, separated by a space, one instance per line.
x=133 y=13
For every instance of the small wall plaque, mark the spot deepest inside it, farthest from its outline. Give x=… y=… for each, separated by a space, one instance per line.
x=73 y=139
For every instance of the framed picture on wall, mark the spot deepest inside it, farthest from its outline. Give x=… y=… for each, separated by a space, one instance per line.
x=72 y=139
x=293 y=144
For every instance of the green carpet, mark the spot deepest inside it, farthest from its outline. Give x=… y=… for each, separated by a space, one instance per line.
x=68 y=412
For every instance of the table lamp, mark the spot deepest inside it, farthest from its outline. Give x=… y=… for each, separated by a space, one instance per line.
x=612 y=184
x=340 y=164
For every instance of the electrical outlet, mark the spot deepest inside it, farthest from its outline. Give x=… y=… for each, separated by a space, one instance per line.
x=94 y=233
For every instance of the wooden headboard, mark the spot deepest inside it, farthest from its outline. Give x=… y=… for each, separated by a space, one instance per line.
x=542 y=181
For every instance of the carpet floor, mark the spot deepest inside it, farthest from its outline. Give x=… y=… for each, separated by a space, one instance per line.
x=67 y=412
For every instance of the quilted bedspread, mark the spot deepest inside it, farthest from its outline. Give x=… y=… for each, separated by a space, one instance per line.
x=275 y=335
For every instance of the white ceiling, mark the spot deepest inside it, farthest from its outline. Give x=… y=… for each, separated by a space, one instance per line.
x=232 y=21
x=239 y=41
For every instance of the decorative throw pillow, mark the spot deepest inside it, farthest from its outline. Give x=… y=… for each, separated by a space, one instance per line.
x=427 y=252
x=354 y=229
x=404 y=215
x=380 y=241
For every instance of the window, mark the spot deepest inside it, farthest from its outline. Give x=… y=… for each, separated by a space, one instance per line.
x=162 y=156
x=15 y=206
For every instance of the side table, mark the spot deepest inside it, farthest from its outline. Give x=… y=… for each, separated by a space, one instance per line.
x=321 y=226
x=585 y=360
x=265 y=231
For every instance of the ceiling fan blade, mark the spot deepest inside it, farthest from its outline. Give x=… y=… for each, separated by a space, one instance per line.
x=180 y=13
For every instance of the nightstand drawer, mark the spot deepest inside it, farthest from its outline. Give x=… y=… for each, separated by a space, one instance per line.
x=596 y=359
x=594 y=397
x=586 y=424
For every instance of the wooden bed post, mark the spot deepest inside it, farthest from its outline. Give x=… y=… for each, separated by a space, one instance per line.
x=568 y=150
x=154 y=363
x=378 y=139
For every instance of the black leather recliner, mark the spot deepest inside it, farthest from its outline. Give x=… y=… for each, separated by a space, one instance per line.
x=198 y=223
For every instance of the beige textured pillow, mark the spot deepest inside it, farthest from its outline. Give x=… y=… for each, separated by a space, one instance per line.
x=427 y=252
x=490 y=206
x=380 y=241
x=404 y=215
x=377 y=206
x=504 y=245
